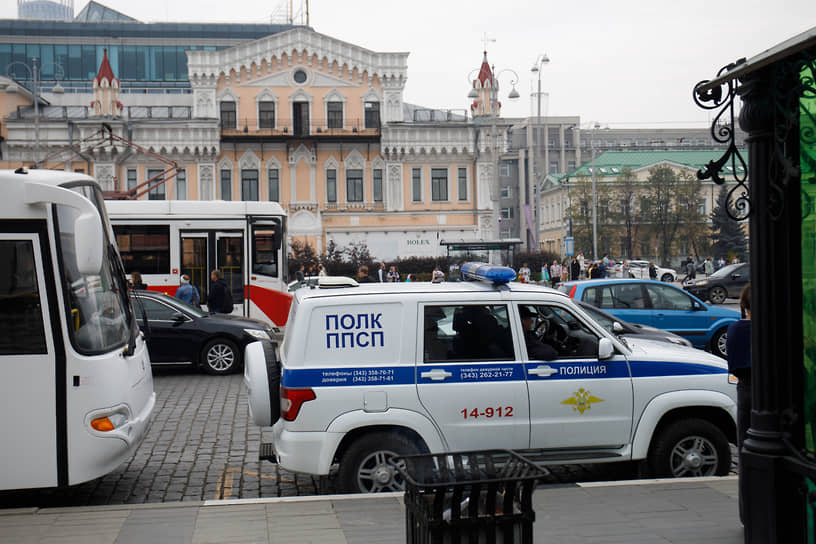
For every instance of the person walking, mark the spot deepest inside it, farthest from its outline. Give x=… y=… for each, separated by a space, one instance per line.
x=381 y=274
x=219 y=300
x=652 y=271
x=555 y=273
x=575 y=269
x=188 y=292
x=524 y=273
x=393 y=274
x=136 y=281
x=581 y=263
x=708 y=266
x=691 y=272
x=299 y=274
x=437 y=276
x=321 y=270
x=362 y=275
x=738 y=348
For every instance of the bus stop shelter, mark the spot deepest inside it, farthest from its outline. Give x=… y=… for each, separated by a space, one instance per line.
x=777 y=89
x=495 y=252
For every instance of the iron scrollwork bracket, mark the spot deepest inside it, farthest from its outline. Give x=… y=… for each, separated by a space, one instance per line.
x=723 y=130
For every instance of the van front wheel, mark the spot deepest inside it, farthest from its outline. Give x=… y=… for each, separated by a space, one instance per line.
x=690 y=447
x=369 y=465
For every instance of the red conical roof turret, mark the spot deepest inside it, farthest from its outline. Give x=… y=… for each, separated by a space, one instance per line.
x=105 y=70
x=485 y=72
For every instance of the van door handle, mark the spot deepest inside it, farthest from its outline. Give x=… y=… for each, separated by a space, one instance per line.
x=543 y=370
x=437 y=374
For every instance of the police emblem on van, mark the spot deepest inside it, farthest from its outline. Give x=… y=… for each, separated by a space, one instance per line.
x=581 y=401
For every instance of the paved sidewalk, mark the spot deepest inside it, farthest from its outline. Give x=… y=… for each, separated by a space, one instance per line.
x=703 y=511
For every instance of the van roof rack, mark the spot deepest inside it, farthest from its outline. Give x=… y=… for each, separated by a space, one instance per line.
x=336 y=282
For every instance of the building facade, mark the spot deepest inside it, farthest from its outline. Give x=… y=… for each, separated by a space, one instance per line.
x=284 y=113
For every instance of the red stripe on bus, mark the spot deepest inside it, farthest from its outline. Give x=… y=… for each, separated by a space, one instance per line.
x=272 y=303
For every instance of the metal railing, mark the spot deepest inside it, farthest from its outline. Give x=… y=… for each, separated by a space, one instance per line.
x=288 y=127
x=85 y=112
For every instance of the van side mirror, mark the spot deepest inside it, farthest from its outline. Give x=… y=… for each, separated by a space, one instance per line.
x=605 y=349
x=88 y=243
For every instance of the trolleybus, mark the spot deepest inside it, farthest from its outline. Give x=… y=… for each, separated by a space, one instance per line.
x=245 y=240
x=74 y=371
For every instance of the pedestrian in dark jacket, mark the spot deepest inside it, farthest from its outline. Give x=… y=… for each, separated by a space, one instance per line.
x=738 y=348
x=652 y=271
x=219 y=299
x=575 y=269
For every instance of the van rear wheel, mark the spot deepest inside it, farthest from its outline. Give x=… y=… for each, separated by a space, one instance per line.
x=690 y=447
x=369 y=465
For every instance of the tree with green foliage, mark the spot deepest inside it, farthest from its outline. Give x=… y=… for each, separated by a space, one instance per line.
x=727 y=234
x=693 y=228
x=658 y=208
x=626 y=190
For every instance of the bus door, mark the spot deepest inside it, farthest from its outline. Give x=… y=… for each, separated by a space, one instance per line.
x=266 y=280
x=230 y=260
x=29 y=368
x=195 y=261
x=204 y=251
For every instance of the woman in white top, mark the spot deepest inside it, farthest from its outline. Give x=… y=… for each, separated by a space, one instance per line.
x=555 y=273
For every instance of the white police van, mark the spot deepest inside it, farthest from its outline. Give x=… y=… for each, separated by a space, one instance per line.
x=371 y=372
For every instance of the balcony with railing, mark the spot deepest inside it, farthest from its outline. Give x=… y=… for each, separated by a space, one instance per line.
x=243 y=128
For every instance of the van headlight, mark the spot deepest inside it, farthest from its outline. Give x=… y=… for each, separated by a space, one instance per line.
x=257 y=333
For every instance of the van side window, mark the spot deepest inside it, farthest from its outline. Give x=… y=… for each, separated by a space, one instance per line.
x=557 y=327
x=467 y=333
x=21 y=320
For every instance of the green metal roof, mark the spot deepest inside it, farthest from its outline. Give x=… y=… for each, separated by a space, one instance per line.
x=611 y=163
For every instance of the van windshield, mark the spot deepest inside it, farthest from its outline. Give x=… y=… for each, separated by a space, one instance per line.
x=98 y=310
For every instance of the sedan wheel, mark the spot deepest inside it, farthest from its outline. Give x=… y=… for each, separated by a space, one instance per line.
x=666 y=278
x=717 y=295
x=220 y=357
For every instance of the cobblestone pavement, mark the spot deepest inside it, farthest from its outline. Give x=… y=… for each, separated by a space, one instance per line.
x=201 y=445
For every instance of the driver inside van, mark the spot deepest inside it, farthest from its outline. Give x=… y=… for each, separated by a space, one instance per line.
x=536 y=348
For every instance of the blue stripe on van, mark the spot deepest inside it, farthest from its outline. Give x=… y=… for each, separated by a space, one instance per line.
x=490 y=372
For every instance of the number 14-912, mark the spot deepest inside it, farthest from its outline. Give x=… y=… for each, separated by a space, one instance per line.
x=475 y=413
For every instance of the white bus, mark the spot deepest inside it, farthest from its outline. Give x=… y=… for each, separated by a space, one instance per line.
x=75 y=374
x=245 y=240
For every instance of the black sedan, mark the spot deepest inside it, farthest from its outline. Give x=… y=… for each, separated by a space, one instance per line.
x=624 y=328
x=178 y=333
x=727 y=282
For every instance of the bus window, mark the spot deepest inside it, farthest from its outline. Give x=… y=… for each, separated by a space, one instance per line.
x=265 y=247
x=144 y=248
x=21 y=320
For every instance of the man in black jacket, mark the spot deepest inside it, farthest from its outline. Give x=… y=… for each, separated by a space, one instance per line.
x=219 y=299
x=536 y=349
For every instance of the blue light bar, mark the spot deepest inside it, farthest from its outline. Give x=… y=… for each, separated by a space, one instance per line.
x=495 y=274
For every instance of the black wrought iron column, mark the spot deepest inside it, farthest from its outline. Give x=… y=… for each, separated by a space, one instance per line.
x=772 y=462
x=774 y=498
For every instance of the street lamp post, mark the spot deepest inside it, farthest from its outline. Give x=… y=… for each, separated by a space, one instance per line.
x=539 y=63
x=34 y=74
x=594 y=196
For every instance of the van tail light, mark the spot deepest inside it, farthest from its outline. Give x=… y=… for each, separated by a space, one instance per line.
x=292 y=400
x=572 y=291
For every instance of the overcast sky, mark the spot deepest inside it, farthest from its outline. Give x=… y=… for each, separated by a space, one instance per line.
x=623 y=63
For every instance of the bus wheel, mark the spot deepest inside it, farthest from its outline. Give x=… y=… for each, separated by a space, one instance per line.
x=220 y=356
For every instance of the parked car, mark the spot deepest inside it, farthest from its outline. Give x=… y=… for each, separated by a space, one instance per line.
x=618 y=326
x=639 y=269
x=727 y=282
x=178 y=333
x=660 y=305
